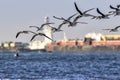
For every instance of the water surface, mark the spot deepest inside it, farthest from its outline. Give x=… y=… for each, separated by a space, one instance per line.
x=77 y=66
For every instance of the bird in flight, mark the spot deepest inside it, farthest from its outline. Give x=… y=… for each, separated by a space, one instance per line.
x=113 y=29
x=73 y=23
x=83 y=14
x=41 y=27
x=25 y=32
x=117 y=10
x=40 y=34
x=65 y=21
x=103 y=16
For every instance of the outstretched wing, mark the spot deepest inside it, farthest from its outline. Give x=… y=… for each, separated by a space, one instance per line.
x=100 y=12
x=21 y=32
x=57 y=18
x=106 y=29
x=118 y=6
x=33 y=37
x=113 y=7
x=88 y=10
x=34 y=27
x=71 y=16
x=18 y=34
x=44 y=25
x=77 y=9
x=82 y=22
x=117 y=27
x=47 y=37
x=65 y=22
x=26 y=32
x=40 y=34
x=31 y=32
x=76 y=18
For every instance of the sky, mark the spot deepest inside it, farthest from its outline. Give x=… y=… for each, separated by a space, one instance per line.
x=18 y=15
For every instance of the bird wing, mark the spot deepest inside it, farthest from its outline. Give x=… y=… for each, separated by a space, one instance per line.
x=100 y=12
x=61 y=25
x=26 y=32
x=88 y=10
x=77 y=9
x=35 y=27
x=106 y=29
x=44 y=25
x=33 y=37
x=113 y=7
x=18 y=34
x=118 y=6
x=31 y=32
x=21 y=32
x=55 y=29
x=57 y=18
x=41 y=34
x=82 y=22
x=76 y=18
x=66 y=20
x=46 y=36
x=117 y=27
x=71 y=16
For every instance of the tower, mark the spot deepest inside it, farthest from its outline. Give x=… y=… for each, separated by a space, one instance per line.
x=47 y=31
x=64 y=37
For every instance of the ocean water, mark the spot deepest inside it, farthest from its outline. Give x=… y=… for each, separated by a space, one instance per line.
x=60 y=66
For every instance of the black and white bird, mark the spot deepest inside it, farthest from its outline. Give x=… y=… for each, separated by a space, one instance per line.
x=65 y=21
x=40 y=34
x=116 y=10
x=24 y=32
x=73 y=23
x=113 y=29
x=83 y=14
x=103 y=16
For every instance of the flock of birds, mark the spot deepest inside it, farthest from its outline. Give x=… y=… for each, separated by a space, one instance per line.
x=75 y=17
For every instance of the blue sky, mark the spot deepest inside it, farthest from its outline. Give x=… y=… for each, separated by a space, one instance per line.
x=18 y=15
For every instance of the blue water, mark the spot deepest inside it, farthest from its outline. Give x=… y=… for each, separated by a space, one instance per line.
x=65 y=66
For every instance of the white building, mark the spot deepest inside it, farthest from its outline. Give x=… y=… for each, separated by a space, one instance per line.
x=48 y=31
x=41 y=44
x=36 y=45
x=95 y=36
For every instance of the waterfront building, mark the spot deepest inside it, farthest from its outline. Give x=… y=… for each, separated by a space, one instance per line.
x=37 y=45
x=48 y=31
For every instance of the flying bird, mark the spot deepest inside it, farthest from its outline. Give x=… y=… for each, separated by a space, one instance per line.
x=113 y=29
x=118 y=6
x=73 y=23
x=67 y=18
x=103 y=16
x=117 y=10
x=64 y=21
x=40 y=34
x=41 y=27
x=25 y=32
x=83 y=14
